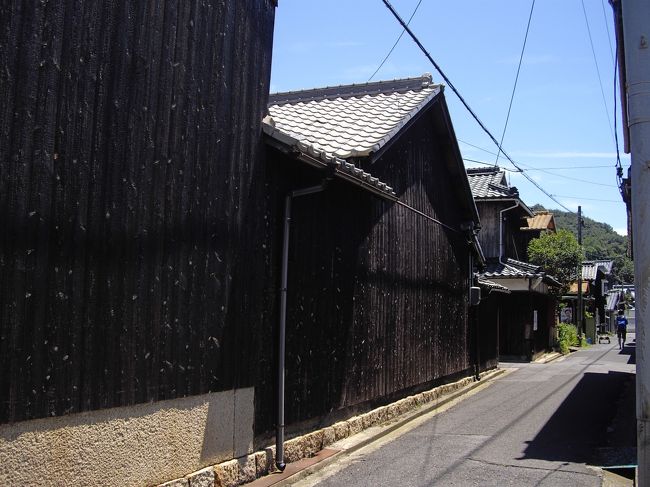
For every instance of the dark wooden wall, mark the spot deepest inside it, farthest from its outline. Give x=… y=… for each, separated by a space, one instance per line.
x=488 y=316
x=489 y=233
x=377 y=294
x=130 y=152
x=516 y=334
x=515 y=245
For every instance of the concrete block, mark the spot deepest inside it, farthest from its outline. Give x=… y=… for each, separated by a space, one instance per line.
x=400 y=407
x=329 y=436
x=409 y=404
x=227 y=474
x=294 y=450
x=270 y=458
x=217 y=445
x=392 y=411
x=247 y=469
x=202 y=478
x=244 y=409
x=313 y=443
x=176 y=483
x=370 y=419
x=355 y=425
x=342 y=430
x=262 y=462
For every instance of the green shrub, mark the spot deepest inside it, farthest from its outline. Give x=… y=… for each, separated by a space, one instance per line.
x=567 y=336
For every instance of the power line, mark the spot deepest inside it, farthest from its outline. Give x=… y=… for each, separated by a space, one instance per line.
x=609 y=35
x=396 y=42
x=578 y=179
x=567 y=168
x=548 y=172
x=587 y=199
x=514 y=88
x=479 y=148
x=556 y=168
x=600 y=81
x=618 y=165
x=462 y=100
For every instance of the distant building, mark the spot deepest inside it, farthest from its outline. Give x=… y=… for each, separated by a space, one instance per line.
x=524 y=318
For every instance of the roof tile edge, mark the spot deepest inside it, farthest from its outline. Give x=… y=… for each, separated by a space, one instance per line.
x=348 y=91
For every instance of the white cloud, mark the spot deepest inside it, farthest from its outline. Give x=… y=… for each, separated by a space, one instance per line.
x=621 y=231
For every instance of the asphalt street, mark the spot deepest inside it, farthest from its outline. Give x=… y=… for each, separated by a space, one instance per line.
x=538 y=425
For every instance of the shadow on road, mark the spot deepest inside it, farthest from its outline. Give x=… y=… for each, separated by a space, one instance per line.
x=629 y=349
x=580 y=425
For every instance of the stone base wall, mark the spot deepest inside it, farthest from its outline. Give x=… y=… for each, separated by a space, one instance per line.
x=131 y=446
x=250 y=467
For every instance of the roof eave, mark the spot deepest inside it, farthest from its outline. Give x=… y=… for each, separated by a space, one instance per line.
x=401 y=128
x=290 y=146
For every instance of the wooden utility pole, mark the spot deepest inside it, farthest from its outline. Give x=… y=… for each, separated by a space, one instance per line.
x=579 y=311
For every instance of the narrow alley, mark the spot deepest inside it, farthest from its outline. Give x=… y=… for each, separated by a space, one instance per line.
x=538 y=424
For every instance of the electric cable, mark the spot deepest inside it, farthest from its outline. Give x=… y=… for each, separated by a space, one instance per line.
x=609 y=35
x=600 y=81
x=551 y=173
x=588 y=199
x=514 y=88
x=618 y=165
x=396 y=42
x=462 y=100
x=556 y=168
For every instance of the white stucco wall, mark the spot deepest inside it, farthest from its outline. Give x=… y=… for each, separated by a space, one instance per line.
x=140 y=445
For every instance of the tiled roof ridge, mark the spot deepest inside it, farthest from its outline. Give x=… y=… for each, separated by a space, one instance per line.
x=353 y=90
x=524 y=265
x=484 y=170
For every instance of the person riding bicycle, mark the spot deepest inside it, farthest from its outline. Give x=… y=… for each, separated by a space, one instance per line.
x=621 y=328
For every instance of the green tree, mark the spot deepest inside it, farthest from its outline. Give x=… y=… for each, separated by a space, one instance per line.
x=599 y=241
x=559 y=254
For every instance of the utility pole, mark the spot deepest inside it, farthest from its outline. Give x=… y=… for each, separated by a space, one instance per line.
x=579 y=311
x=636 y=35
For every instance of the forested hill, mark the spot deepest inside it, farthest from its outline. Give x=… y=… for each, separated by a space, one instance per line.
x=599 y=240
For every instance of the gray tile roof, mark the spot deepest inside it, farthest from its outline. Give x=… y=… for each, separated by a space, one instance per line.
x=492 y=286
x=335 y=124
x=613 y=298
x=350 y=121
x=590 y=268
x=515 y=269
x=489 y=183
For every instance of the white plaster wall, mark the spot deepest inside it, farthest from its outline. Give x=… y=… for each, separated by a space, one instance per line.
x=139 y=445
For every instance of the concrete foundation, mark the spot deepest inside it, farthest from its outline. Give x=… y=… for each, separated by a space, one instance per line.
x=146 y=444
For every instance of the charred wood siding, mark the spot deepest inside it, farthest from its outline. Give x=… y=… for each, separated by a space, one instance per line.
x=515 y=245
x=377 y=294
x=489 y=234
x=129 y=149
x=488 y=317
x=516 y=334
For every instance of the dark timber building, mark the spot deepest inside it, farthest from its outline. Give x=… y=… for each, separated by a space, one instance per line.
x=525 y=316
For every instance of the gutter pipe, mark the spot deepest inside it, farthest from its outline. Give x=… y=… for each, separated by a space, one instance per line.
x=282 y=327
x=501 y=242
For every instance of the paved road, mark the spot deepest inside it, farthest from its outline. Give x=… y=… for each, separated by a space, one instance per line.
x=538 y=425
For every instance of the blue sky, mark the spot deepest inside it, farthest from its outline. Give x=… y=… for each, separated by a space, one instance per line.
x=559 y=130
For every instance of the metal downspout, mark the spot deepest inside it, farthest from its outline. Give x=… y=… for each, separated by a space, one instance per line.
x=501 y=239
x=282 y=326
